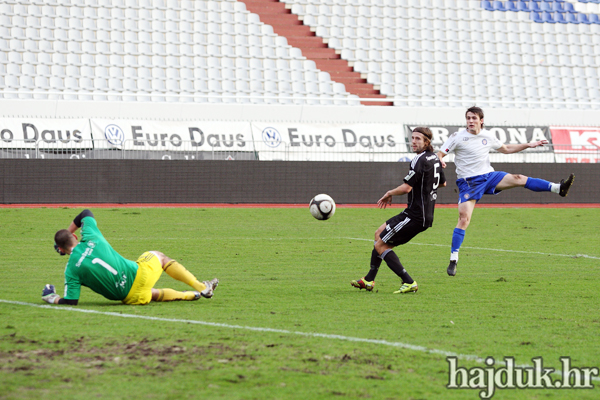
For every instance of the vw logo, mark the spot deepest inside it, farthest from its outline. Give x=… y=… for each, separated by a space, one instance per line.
x=271 y=137
x=114 y=134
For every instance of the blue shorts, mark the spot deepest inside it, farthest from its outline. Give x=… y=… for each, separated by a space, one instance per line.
x=474 y=187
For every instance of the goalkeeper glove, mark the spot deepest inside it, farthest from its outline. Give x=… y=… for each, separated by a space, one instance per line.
x=58 y=250
x=49 y=294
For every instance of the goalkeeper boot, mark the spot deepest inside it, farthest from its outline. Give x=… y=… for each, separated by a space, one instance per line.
x=215 y=283
x=565 y=185
x=451 y=268
x=210 y=287
x=363 y=284
x=197 y=294
x=408 y=288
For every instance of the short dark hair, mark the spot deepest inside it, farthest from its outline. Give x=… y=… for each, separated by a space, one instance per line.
x=63 y=238
x=428 y=135
x=475 y=110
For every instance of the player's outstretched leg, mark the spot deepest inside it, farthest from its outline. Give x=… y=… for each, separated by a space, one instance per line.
x=177 y=271
x=540 y=185
x=174 y=295
x=565 y=185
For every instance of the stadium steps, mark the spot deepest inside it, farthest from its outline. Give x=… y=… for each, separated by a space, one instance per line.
x=288 y=25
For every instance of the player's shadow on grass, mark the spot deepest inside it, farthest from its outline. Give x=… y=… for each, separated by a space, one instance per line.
x=116 y=304
x=101 y=303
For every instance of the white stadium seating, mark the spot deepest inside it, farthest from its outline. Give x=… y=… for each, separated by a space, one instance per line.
x=416 y=52
x=189 y=51
x=401 y=44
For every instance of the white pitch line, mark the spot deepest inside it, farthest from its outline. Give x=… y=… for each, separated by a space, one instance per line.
x=256 y=329
x=487 y=249
x=361 y=239
x=365 y=240
x=401 y=345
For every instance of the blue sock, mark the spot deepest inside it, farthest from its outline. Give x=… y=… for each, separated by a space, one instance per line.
x=457 y=238
x=538 y=185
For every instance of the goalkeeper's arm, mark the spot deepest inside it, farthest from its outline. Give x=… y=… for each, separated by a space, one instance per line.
x=49 y=296
x=76 y=224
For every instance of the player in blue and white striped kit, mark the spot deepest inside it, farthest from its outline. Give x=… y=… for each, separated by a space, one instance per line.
x=477 y=177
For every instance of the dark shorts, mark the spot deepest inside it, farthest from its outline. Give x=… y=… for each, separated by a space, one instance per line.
x=474 y=187
x=400 y=230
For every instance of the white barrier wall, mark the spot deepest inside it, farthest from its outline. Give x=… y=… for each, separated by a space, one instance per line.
x=289 y=113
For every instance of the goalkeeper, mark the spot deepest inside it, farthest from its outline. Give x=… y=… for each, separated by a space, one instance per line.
x=95 y=264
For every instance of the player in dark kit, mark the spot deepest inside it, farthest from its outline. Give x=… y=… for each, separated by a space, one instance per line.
x=421 y=183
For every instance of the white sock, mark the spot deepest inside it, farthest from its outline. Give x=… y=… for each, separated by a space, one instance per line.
x=555 y=187
x=454 y=256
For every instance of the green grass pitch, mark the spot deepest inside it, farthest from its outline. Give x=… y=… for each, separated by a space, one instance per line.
x=524 y=289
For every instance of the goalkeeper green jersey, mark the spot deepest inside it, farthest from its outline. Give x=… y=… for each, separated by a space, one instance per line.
x=95 y=264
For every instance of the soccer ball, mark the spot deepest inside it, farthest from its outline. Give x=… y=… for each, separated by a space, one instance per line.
x=322 y=207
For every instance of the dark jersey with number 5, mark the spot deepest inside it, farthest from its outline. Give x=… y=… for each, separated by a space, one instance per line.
x=425 y=176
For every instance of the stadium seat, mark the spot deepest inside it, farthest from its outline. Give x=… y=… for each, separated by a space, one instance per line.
x=535 y=16
x=547 y=17
x=511 y=6
x=523 y=6
x=558 y=6
x=560 y=18
x=583 y=19
x=487 y=5
x=568 y=7
x=545 y=6
x=572 y=18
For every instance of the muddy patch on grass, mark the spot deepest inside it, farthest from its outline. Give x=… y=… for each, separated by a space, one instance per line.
x=26 y=355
